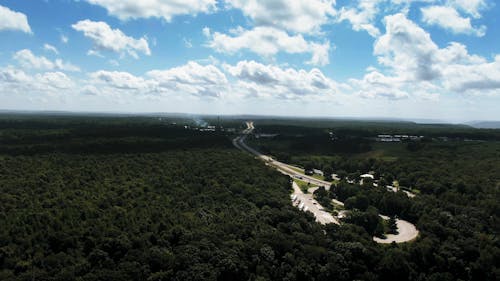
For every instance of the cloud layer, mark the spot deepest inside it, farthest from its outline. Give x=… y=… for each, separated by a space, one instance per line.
x=269 y=51
x=416 y=64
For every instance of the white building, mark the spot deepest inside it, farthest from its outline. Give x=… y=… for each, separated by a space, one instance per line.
x=367 y=176
x=318 y=172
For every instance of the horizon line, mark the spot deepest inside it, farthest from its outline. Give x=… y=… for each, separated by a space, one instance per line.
x=353 y=118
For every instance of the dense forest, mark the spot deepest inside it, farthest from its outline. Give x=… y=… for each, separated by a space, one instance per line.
x=148 y=199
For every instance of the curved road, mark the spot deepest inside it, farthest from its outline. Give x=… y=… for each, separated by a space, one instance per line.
x=407 y=231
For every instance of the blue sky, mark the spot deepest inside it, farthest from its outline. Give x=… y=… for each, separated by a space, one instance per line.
x=436 y=59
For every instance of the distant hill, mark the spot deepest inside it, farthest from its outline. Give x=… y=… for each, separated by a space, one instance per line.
x=486 y=124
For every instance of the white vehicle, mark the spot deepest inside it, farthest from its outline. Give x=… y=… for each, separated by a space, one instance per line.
x=305 y=209
x=301 y=206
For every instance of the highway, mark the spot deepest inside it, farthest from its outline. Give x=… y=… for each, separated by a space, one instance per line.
x=239 y=142
x=306 y=202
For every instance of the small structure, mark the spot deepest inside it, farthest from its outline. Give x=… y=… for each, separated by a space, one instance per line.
x=265 y=136
x=391 y=188
x=367 y=176
x=208 y=129
x=342 y=214
x=318 y=172
x=396 y=138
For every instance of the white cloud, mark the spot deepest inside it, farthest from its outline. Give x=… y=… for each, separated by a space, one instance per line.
x=481 y=78
x=268 y=41
x=65 y=66
x=249 y=79
x=471 y=7
x=278 y=26
x=365 y=14
x=16 y=80
x=415 y=64
x=187 y=43
x=320 y=53
x=362 y=16
x=94 y=53
x=449 y=18
x=57 y=80
x=375 y=84
x=407 y=49
x=114 y=63
x=166 y=9
x=119 y=80
x=256 y=79
x=50 y=48
x=64 y=39
x=457 y=53
x=302 y=16
x=28 y=60
x=11 y=20
x=12 y=75
x=90 y=90
x=114 y=40
x=206 y=31
x=190 y=79
x=410 y=52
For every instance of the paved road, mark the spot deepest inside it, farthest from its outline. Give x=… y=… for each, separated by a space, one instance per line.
x=394 y=189
x=239 y=142
x=407 y=231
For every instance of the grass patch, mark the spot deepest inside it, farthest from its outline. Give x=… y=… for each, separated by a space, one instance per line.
x=389 y=152
x=304 y=186
x=318 y=177
x=297 y=169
